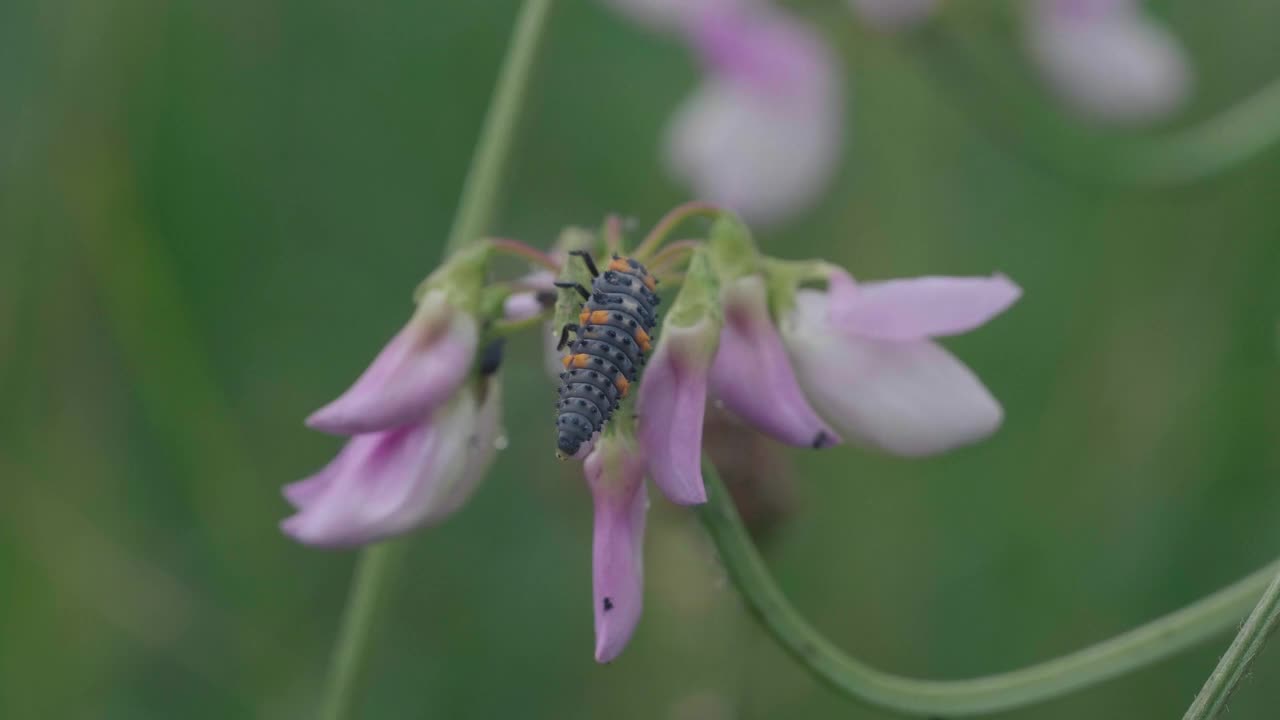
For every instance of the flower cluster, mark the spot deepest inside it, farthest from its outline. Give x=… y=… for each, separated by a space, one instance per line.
x=762 y=134
x=799 y=350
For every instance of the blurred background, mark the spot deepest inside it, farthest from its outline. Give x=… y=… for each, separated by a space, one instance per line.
x=212 y=215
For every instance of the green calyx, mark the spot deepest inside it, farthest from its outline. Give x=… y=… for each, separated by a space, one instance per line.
x=574 y=270
x=461 y=277
x=733 y=252
x=784 y=277
x=699 y=297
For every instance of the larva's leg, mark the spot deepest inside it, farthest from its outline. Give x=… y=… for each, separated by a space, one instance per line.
x=585 y=293
x=586 y=258
x=564 y=335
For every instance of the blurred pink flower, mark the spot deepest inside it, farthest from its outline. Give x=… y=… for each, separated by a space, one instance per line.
x=1108 y=60
x=417 y=371
x=389 y=482
x=762 y=135
x=864 y=357
x=615 y=474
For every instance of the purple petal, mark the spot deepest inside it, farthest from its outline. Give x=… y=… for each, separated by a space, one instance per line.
x=671 y=404
x=1108 y=60
x=908 y=398
x=416 y=372
x=923 y=307
x=763 y=133
x=616 y=478
x=752 y=375
x=387 y=483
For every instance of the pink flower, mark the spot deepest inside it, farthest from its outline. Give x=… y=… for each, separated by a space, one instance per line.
x=762 y=135
x=421 y=368
x=1108 y=60
x=752 y=375
x=890 y=15
x=386 y=483
x=670 y=406
x=864 y=357
x=615 y=474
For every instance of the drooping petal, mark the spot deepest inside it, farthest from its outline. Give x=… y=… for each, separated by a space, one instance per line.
x=671 y=404
x=762 y=135
x=615 y=474
x=918 y=308
x=387 y=483
x=1108 y=60
x=909 y=398
x=752 y=374
x=890 y=15
x=482 y=446
x=414 y=374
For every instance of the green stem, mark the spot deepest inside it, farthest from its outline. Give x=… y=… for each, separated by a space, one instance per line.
x=1214 y=146
x=480 y=190
x=1129 y=651
x=1235 y=664
x=376 y=566
x=670 y=222
x=374 y=571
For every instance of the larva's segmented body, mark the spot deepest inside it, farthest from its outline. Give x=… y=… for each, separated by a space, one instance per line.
x=614 y=333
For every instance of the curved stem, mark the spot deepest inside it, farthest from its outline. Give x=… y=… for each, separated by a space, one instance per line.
x=1042 y=138
x=374 y=571
x=669 y=222
x=480 y=190
x=855 y=679
x=1235 y=663
x=528 y=252
x=1214 y=146
x=475 y=210
x=671 y=255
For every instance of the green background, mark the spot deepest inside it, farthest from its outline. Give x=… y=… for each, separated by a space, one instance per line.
x=212 y=214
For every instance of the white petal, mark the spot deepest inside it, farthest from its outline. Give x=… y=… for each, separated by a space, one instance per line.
x=908 y=398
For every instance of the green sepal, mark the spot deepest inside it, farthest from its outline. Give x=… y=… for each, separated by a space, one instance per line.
x=462 y=277
x=733 y=251
x=699 y=296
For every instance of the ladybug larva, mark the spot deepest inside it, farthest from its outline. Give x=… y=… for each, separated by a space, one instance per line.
x=614 y=335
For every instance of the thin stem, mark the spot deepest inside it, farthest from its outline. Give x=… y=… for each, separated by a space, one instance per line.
x=855 y=679
x=480 y=191
x=668 y=223
x=1234 y=665
x=1214 y=146
x=374 y=571
x=528 y=252
x=613 y=234
x=667 y=258
x=377 y=564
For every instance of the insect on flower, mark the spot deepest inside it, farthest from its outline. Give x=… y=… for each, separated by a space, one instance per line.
x=613 y=332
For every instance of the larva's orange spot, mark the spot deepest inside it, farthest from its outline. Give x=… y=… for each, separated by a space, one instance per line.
x=582 y=317
x=566 y=360
x=580 y=360
x=642 y=339
x=599 y=317
x=623 y=385
x=620 y=264
x=650 y=282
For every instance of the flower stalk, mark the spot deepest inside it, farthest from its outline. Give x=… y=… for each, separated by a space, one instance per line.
x=1142 y=646
x=378 y=563
x=1234 y=665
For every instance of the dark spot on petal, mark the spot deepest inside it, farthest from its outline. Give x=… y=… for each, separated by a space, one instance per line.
x=608 y=604
x=820 y=440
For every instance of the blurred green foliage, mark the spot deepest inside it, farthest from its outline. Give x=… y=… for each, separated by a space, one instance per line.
x=213 y=214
